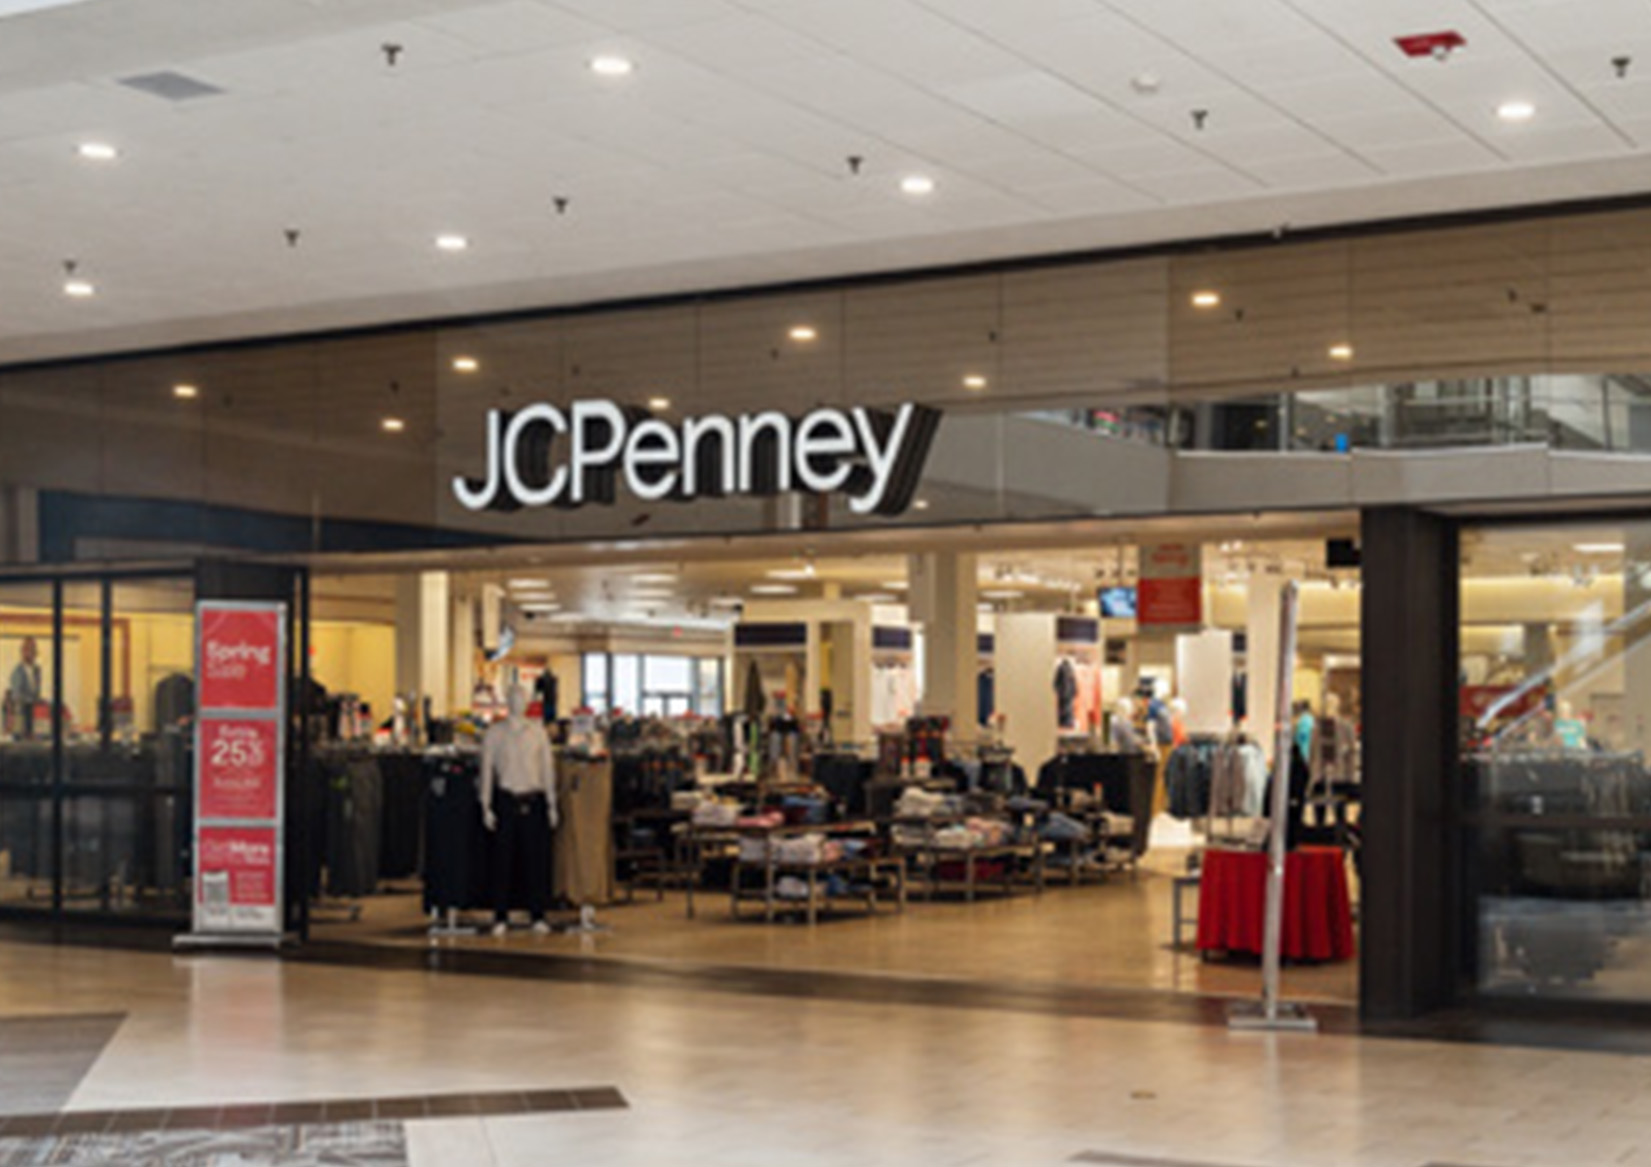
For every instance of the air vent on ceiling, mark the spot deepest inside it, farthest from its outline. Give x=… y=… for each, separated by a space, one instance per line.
x=170 y=86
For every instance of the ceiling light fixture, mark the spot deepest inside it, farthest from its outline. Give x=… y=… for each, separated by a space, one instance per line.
x=803 y=333
x=974 y=381
x=917 y=185
x=185 y=392
x=659 y=404
x=1600 y=548
x=921 y=504
x=610 y=65
x=1341 y=352
x=880 y=598
x=773 y=589
x=1206 y=299
x=466 y=364
x=78 y=288
x=1516 y=111
x=453 y=242
x=526 y=584
x=894 y=585
x=392 y=425
x=97 y=151
x=655 y=577
x=1003 y=593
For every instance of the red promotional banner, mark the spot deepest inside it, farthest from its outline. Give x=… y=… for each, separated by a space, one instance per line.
x=236 y=884
x=240 y=657
x=240 y=769
x=1171 y=590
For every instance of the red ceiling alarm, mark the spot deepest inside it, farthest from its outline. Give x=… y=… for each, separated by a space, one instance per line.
x=1438 y=45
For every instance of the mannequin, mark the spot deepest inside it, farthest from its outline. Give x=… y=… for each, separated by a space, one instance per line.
x=1178 y=721
x=1126 y=737
x=518 y=796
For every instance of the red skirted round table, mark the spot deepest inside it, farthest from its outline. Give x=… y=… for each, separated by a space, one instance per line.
x=1318 y=911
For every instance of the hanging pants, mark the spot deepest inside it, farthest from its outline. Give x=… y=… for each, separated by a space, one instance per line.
x=522 y=841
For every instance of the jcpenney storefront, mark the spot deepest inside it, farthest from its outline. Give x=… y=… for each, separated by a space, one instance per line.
x=1462 y=401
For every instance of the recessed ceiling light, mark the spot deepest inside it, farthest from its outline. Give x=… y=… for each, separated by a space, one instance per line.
x=78 y=288
x=97 y=151
x=392 y=425
x=921 y=504
x=1003 y=593
x=659 y=404
x=893 y=585
x=655 y=577
x=527 y=584
x=879 y=598
x=974 y=381
x=917 y=185
x=609 y=65
x=185 y=392
x=792 y=572
x=803 y=332
x=1206 y=299
x=773 y=589
x=453 y=242
x=466 y=364
x=1599 y=548
x=1341 y=352
x=1516 y=111
x=541 y=606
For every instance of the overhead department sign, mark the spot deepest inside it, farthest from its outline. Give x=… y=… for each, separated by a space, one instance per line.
x=543 y=455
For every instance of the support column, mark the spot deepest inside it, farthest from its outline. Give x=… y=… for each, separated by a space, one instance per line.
x=942 y=595
x=1261 y=646
x=422 y=639
x=1416 y=936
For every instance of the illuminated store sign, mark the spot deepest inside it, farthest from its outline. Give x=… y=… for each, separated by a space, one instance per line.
x=543 y=455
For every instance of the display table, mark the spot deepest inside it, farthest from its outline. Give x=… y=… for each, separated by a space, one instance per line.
x=1318 y=911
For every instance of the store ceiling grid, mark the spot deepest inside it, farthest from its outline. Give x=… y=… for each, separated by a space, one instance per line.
x=1045 y=125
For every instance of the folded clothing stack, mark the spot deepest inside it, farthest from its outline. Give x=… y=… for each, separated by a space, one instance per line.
x=716 y=814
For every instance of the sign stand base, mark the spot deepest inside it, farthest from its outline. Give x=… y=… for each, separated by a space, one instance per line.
x=204 y=941
x=1251 y=1017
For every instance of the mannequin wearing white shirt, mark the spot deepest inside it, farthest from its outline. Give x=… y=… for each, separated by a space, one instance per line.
x=518 y=796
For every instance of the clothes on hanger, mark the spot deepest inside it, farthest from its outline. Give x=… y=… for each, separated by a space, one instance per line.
x=1238 y=779
x=1066 y=693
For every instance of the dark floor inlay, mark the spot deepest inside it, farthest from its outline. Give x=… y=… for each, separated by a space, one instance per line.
x=329 y=1112
x=44 y=1058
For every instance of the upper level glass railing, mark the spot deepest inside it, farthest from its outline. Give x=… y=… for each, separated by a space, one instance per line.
x=1606 y=413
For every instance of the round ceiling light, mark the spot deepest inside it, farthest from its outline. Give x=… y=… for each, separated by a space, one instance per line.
x=1341 y=352
x=1516 y=111
x=803 y=333
x=974 y=381
x=392 y=425
x=97 y=151
x=659 y=404
x=78 y=288
x=451 y=242
x=917 y=185
x=466 y=364
x=185 y=392
x=612 y=65
x=1206 y=299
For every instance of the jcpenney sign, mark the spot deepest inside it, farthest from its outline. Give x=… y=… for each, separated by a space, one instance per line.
x=543 y=455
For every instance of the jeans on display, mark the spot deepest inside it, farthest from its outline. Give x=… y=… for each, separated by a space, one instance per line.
x=523 y=836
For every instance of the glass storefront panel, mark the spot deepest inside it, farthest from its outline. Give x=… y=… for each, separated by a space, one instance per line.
x=1555 y=715
x=27 y=849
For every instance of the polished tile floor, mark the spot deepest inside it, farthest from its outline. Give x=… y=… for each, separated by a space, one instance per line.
x=795 y=1082
x=1113 y=935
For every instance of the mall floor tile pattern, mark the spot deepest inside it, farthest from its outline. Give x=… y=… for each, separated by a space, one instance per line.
x=742 y=1081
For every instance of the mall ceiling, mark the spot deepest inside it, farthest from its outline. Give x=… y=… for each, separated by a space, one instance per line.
x=282 y=165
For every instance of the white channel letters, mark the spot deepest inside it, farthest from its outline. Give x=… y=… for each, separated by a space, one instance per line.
x=873 y=456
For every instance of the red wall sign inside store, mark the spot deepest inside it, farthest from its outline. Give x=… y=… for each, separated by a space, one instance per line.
x=240 y=658
x=240 y=768
x=236 y=883
x=1171 y=590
